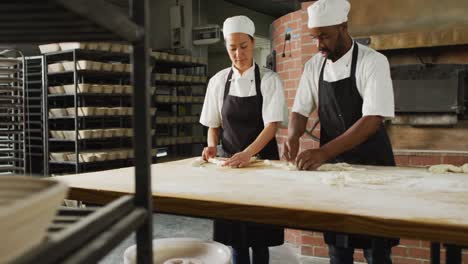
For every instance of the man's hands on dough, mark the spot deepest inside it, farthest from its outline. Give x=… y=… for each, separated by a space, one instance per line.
x=311 y=159
x=209 y=152
x=290 y=148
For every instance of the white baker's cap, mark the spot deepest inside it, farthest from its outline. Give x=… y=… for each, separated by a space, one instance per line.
x=325 y=13
x=238 y=24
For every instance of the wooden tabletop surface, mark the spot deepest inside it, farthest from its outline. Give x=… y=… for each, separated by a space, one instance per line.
x=384 y=201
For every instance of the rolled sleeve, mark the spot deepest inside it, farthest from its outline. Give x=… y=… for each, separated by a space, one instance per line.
x=274 y=107
x=304 y=102
x=378 y=89
x=210 y=115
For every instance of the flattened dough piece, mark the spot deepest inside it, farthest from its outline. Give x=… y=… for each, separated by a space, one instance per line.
x=338 y=167
x=444 y=168
x=198 y=162
x=465 y=168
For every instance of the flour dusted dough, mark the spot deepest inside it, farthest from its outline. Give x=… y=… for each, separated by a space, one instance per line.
x=282 y=165
x=443 y=168
x=217 y=161
x=465 y=168
x=198 y=162
x=338 y=167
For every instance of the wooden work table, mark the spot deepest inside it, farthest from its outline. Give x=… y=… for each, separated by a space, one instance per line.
x=385 y=201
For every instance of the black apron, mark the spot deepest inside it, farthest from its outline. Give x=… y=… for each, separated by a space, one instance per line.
x=242 y=123
x=340 y=106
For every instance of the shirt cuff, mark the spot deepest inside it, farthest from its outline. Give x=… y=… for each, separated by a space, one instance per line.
x=301 y=112
x=387 y=115
x=210 y=124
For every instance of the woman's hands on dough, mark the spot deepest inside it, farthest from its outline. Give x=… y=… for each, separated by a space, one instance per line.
x=239 y=160
x=311 y=159
x=209 y=152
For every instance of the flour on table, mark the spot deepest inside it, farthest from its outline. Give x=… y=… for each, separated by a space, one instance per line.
x=343 y=178
x=444 y=168
x=333 y=180
x=281 y=165
x=371 y=179
x=338 y=167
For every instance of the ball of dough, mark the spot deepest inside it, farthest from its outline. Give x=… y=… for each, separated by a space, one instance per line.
x=443 y=168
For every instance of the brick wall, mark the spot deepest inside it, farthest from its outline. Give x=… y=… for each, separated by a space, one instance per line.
x=290 y=69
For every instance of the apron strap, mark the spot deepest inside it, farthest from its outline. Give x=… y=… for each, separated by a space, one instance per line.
x=258 y=83
x=354 y=62
x=227 y=86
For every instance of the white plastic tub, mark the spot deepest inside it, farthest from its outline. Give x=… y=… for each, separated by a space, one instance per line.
x=126 y=48
x=59 y=156
x=92 y=46
x=128 y=89
x=55 y=67
x=181 y=78
x=107 y=67
x=104 y=46
x=96 y=88
x=118 y=132
x=116 y=47
x=112 y=155
x=101 y=156
x=82 y=88
x=156 y=55
x=196 y=79
x=56 y=89
x=118 y=67
x=107 y=88
x=108 y=133
x=101 y=111
x=164 y=55
x=82 y=111
x=128 y=67
x=113 y=111
x=83 y=157
x=98 y=133
x=58 y=112
x=118 y=89
x=72 y=45
x=96 y=65
x=179 y=58
x=48 y=48
x=81 y=65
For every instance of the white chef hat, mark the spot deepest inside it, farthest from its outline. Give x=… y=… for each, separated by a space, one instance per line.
x=325 y=13
x=238 y=24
